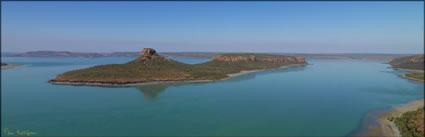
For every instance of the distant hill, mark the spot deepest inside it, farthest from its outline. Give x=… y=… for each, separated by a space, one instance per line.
x=409 y=62
x=57 y=54
x=113 y=54
x=150 y=66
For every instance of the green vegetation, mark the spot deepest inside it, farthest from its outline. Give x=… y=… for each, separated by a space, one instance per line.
x=157 y=68
x=411 y=124
x=416 y=75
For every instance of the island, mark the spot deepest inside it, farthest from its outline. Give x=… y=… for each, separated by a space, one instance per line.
x=412 y=64
x=152 y=68
x=7 y=66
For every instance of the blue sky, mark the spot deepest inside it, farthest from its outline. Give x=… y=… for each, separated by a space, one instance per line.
x=291 y=27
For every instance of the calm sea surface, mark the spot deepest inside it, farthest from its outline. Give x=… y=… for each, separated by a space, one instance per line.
x=328 y=98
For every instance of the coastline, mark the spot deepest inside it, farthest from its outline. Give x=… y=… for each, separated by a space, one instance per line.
x=8 y=66
x=387 y=127
x=408 y=70
x=410 y=78
x=230 y=76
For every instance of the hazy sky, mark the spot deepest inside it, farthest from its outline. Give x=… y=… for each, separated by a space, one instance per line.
x=298 y=27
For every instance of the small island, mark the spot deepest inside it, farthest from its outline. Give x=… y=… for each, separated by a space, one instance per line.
x=7 y=66
x=151 y=68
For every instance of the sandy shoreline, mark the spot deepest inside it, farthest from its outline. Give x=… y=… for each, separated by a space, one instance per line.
x=8 y=66
x=388 y=128
x=409 y=70
x=230 y=76
x=410 y=78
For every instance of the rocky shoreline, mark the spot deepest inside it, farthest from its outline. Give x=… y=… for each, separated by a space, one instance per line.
x=389 y=128
x=230 y=76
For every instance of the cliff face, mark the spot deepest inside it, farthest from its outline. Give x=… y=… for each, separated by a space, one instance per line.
x=284 y=59
x=236 y=58
x=148 y=54
x=417 y=59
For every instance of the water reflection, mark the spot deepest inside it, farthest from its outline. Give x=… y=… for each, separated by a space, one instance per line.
x=150 y=92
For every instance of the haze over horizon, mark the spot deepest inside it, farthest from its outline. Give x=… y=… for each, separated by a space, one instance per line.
x=280 y=27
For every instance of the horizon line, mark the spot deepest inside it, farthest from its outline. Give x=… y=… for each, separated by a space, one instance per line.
x=209 y=52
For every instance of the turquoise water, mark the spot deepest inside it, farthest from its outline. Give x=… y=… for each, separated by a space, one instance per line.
x=328 y=98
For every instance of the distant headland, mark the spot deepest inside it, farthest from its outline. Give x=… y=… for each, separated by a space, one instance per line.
x=412 y=64
x=7 y=66
x=152 y=68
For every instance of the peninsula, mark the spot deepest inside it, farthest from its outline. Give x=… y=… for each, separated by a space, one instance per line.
x=412 y=64
x=151 y=68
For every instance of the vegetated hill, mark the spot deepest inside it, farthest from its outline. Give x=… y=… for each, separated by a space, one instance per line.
x=152 y=67
x=409 y=62
x=411 y=124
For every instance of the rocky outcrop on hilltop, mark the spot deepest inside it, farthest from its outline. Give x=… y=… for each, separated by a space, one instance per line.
x=148 y=54
x=275 y=59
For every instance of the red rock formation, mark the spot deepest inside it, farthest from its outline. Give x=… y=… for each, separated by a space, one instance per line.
x=147 y=54
x=417 y=59
x=234 y=58
x=299 y=59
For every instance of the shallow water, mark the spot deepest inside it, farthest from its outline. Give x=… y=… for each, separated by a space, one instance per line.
x=328 y=98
